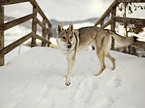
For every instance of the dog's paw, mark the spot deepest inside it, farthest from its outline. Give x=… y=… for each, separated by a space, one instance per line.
x=67 y=83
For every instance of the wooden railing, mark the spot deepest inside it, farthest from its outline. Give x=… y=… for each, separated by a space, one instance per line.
x=113 y=19
x=112 y=10
x=45 y=24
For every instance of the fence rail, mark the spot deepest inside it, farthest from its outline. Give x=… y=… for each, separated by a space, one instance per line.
x=45 y=24
x=16 y=22
x=130 y=20
x=8 y=2
x=124 y=20
x=10 y=47
x=112 y=10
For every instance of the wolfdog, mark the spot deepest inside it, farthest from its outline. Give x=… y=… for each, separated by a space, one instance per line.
x=72 y=41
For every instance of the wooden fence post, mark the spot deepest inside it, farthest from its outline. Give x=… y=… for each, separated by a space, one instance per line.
x=34 y=26
x=49 y=34
x=44 y=32
x=1 y=35
x=102 y=23
x=125 y=24
x=113 y=13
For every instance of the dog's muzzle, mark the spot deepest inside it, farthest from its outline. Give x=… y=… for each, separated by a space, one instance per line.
x=69 y=45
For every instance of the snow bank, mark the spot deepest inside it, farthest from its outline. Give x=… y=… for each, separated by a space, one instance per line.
x=36 y=79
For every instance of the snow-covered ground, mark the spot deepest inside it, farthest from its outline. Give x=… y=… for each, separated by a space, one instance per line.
x=35 y=79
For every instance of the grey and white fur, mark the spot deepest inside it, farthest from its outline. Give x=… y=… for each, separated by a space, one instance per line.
x=71 y=41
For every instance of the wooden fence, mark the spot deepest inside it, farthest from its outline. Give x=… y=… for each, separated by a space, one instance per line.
x=112 y=10
x=45 y=24
x=124 y=20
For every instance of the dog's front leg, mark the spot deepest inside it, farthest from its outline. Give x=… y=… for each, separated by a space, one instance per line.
x=70 y=63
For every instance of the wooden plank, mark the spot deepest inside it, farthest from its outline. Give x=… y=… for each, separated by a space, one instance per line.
x=130 y=20
x=113 y=13
x=34 y=26
x=114 y=4
x=34 y=3
x=43 y=39
x=44 y=32
x=15 y=44
x=48 y=36
x=8 y=2
x=139 y=44
x=41 y=13
x=1 y=35
x=113 y=24
x=128 y=1
x=102 y=23
x=40 y=23
x=107 y=23
x=15 y=22
x=49 y=33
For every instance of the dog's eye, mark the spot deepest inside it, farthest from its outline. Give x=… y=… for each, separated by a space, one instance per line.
x=63 y=37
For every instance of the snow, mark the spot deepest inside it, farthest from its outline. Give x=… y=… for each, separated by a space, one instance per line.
x=35 y=79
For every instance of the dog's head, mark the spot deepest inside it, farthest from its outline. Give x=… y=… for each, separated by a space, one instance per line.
x=65 y=37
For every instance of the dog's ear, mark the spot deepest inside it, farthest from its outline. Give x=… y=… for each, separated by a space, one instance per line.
x=59 y=28
x=71 y=26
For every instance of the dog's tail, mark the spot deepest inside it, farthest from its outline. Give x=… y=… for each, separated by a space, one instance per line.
x=121 y=41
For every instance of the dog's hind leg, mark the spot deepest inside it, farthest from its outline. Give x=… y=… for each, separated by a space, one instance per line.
x=101 y=56
x=71 y=62
x=112 y=59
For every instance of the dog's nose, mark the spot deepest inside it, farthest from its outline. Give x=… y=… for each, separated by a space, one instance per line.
x=69 y=45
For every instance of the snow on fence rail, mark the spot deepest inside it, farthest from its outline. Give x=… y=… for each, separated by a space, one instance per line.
x=45 y=24
x=112 y=10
